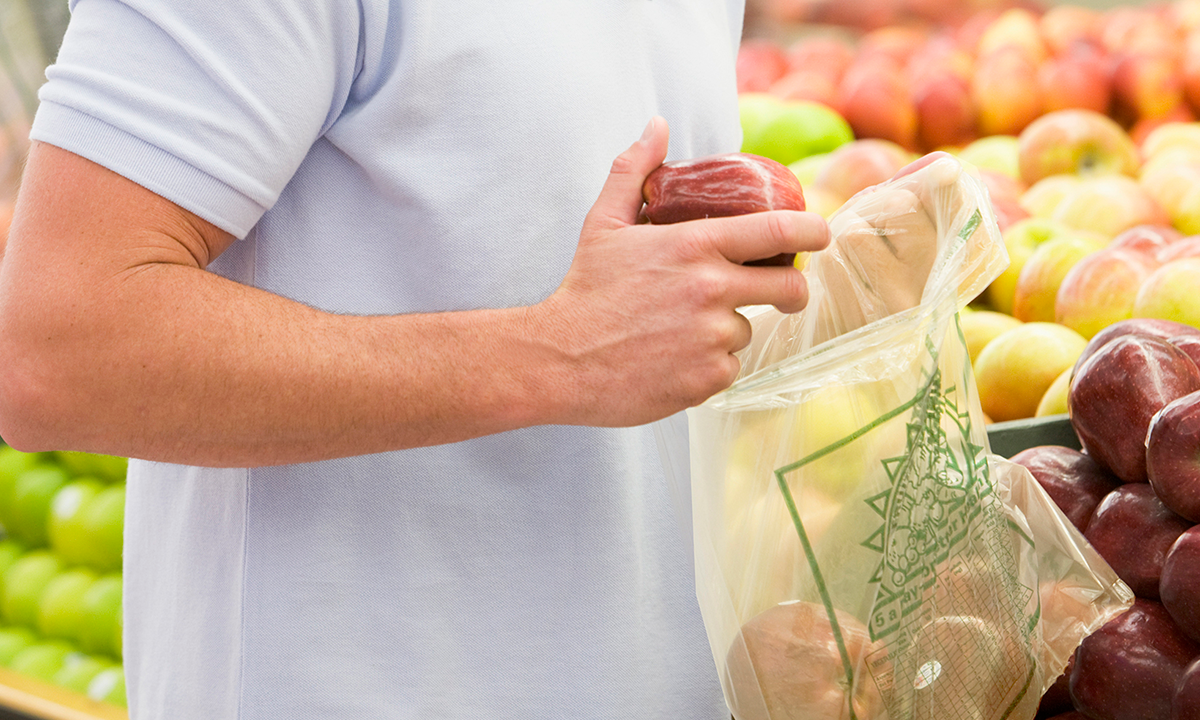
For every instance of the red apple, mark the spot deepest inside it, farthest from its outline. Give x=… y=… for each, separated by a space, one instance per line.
x=1179 y=586
x=1072 y=479
x=1129 y=668
x=1162 y=329
x=1116 y=391
x=1064 y=27
x=1147 y=239
x=1189 y=343
x=1134 y=511
x=1006 y=91
x=876 y=99
x=1100 y=289
x=1184 y=247
x=1146 y=85
x=759 y=63
x=1173 y=455
x=858 y=165
x=946 y=113
x=824 y=53
x=1075 y=141
x=1078 y=78
x=1015 y=28
x=1057 y=698
x=1185 y=704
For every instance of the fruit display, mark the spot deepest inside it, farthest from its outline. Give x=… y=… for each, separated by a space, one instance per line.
x=961 y=75
x=1133 y=489
x=60 y=570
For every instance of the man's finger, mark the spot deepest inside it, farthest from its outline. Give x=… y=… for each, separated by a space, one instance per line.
x=759 y=236
x=621 y=199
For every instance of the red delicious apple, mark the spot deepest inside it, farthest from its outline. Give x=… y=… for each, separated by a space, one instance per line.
x=1185 y=705
x=1116 y=391
x=1179 y=586
x=1134 y=531
x=1129 y=668
x=1057 y=698
x=1072 y=479
x=1173 y=456
x=1154 y=327
x=1069 y=715
x=1189 y=343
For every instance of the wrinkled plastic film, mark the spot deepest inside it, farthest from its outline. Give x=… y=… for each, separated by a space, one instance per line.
x=858 y=553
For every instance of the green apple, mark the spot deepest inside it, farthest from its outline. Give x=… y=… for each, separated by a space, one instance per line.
x=60 y=607
x=42 y=660
x=23 y=584
x=994 y=152
x=10 y=551
x=108 y=686
x=13 y=640
x=12 y=464
x=65 y=528
x=1014 y=371
x=30 y=507
x=79 y=670
x=108 y=468
x=790 y=130
x=102 y=520
x=101 y=610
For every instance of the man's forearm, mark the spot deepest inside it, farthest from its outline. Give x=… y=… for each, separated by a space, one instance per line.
x=215 y=373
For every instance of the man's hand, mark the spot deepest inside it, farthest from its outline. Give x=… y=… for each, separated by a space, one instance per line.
x=647 y=315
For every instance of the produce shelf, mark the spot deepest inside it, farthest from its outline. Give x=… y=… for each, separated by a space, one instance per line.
x=24 y=698
x=1011 y=437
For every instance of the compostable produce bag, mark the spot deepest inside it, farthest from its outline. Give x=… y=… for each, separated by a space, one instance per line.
x=860 y=554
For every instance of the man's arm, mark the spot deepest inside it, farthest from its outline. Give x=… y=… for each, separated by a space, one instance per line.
x=115 y=339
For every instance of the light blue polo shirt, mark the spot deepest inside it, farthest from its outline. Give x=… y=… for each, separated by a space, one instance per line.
x=395 y=156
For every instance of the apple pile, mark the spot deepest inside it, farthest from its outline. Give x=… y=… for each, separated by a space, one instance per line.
x=1134 y=492
x=60 y=569
x=948 y=82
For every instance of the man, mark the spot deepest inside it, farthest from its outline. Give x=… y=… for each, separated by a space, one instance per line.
x=337 y=274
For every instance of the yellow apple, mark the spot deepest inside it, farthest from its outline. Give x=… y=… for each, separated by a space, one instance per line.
x=994 y=152
x=1014 y=371
x=1171 y=136
x=1054 y=402
x=1108 y=205
x=1042 y=197
x=1020 y=240
x=1171 y=293
x=1043 y=272
x=980 y=327
x=1176 y=188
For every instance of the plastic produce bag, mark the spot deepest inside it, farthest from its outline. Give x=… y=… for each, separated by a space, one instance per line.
x=859 y=552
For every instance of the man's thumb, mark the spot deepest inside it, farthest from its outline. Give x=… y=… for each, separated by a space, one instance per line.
x=621 y=199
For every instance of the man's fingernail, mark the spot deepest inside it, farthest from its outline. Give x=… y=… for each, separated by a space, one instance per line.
x=649 y=131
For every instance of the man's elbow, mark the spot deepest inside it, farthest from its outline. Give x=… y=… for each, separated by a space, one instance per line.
x=32 y=407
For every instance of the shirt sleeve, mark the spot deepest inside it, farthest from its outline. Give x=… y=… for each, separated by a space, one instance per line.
x=212 y=105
